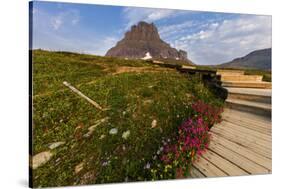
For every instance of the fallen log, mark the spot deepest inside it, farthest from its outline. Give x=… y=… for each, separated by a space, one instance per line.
x=82 y=95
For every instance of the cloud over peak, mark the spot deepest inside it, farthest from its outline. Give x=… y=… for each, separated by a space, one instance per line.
x=133 y=15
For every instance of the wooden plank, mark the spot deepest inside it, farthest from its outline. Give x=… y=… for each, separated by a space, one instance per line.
x=208 y=169
x=237 y=159
x=230 y=72
x=248 y=116
x=248 y=119
x=249 y=135
x=260 y=120
x=228 y=167
x=247 y=153
x=195 y=173
x=246 y=143
x=249 y=126
x=249 y=106
x=250 y=78
x=247 y=131
x=243 y=138
x=247 y=84
x=249 y=91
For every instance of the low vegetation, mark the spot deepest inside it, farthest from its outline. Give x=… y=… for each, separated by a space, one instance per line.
x=146 y=111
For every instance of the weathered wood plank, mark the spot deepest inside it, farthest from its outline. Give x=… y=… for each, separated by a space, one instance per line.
x=249 y=120
x=246 y=152
x=195 y=173
x=237 y=159
x=246 y=116
x=249 y=126
x=246 y=143
x=243 y=137
x=224 y=164
x=246 y=131
x=208 y=169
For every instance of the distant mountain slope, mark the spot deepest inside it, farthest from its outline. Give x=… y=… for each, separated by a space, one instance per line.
x=259 y=59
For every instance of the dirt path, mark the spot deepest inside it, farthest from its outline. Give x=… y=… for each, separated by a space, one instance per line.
x=127 y=69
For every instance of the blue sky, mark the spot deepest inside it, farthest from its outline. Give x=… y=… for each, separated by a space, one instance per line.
x=208 y=38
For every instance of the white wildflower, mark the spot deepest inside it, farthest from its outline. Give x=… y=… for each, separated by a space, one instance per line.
x=105 y=163
x=153 y=123
x=113 y=131
x=147 y=166
x=126 y=134
x=102 y=136
x=124 y=147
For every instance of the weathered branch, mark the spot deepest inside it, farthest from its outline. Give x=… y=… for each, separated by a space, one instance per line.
x=82 y=95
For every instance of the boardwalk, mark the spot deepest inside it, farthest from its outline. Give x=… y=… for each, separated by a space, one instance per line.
x=242 y=143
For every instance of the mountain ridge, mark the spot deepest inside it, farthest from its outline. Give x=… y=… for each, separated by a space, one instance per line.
x=258 y=59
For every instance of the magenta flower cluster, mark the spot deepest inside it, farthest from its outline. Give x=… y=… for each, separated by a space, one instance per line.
x=192 y=139
x=211 y=114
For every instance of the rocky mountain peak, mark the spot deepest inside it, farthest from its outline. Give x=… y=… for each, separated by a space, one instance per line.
x=143 y=31
x=144 y=38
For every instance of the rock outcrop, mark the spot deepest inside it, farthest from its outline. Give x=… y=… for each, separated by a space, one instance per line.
x=143 y=38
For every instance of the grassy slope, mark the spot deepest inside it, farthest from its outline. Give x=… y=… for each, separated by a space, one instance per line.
x=134 y=99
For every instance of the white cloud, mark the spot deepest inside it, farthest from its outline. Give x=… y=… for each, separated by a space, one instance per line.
x=134 y=15
x=56 y=22
x=169 y=30
x=68 y=17
x=221 y=42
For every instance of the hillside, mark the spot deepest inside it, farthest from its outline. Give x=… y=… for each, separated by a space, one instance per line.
x=259 y=59
x=144 y=38
x=144 y=105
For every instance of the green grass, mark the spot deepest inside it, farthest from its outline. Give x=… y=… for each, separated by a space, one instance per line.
x=134 y=101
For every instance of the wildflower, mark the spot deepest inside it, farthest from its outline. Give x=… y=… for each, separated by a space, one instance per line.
x=126 y=134
x=102 y=136
x=192 y=139
x=147 y=166
x=113 y=131
x=105 y=163
x=154 y=123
